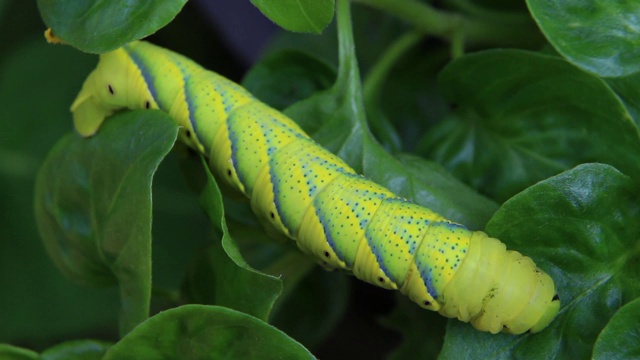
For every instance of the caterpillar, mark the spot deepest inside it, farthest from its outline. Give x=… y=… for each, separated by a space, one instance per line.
x=312 y=196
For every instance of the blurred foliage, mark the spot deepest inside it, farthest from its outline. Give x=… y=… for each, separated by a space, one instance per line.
x=548 y=130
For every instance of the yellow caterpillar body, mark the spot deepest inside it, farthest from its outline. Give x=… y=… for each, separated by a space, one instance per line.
x=312 y=196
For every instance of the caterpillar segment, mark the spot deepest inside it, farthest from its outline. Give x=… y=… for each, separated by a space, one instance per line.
x=309 y=194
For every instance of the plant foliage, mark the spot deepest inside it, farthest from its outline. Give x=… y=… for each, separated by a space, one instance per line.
x=517 y=118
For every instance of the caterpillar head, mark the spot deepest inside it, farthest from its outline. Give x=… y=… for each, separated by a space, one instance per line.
x=115 y=84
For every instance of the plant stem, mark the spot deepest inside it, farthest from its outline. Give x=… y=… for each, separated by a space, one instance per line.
x=445 y=24
x=347 y=63
x=457 y=44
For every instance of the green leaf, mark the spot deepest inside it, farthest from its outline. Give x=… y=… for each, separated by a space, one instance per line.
x=309 y=292
x=310 y=16
x=281 y=78
x=628 y=89
x=335 y=117
x=600 y=36
x=93 y=205
x=410 y=96
x=372 y=30
x=25 y=139
x=380 y=124
x=220 y=275
x=206 y=332
x=428 y=184
x=581 y=228
x=99 y=26
x=216 y=279
x=619 y=339
x=523 y=117
x=10 y=352
x=77 y=350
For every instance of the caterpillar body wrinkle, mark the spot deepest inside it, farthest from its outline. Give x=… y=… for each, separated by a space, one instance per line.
x=311 y=195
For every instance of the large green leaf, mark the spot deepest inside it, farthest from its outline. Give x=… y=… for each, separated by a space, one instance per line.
x=206 y=332
x=286 y=76
x=428 y=184
x=98 y=26
x=93 y=205
x=628 y=88
x=581 y=228
x=76 y=350
x=40 y=74
x=523 y=117
x=309 y=292
x=10 y=352
x=601 y=36
x=221 y=276
x=298 y=15
x=336 y=119
x=619 y=339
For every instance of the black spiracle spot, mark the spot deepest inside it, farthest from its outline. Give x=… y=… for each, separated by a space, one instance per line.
x=147 y=104
x=111 y=91
x=426 y=303
x=556 y=297
x=273 y=216
x=326 y=254
x=381 y=280
x=229 y=173
x=188 y=133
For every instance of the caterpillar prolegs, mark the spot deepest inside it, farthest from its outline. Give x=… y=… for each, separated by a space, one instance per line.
x=311 y=195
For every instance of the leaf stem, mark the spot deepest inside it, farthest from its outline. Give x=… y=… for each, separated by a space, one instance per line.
x=347 y=63
x=348 y=87
x=444 y=24
x=457 y=44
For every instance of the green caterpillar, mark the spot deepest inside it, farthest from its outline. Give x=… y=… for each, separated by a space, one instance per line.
x=345 y=220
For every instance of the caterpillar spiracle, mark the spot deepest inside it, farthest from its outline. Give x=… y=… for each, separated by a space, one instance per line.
x=345 y=220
